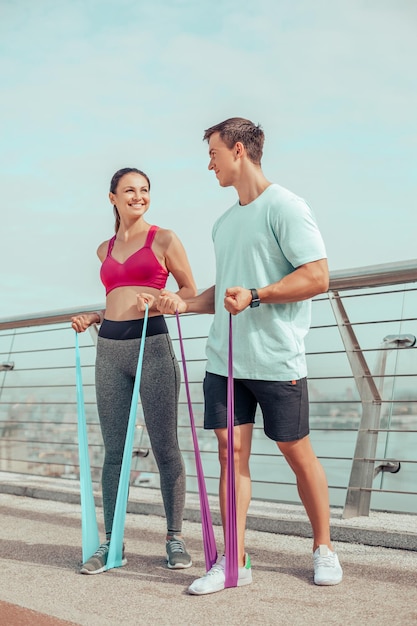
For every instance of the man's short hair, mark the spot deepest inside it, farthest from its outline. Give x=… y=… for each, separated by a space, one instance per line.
x=239 y=129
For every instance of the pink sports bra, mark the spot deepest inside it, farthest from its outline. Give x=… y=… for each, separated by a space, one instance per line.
x=142 y=268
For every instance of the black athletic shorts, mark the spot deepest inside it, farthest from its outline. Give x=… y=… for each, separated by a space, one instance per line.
x=284 y=405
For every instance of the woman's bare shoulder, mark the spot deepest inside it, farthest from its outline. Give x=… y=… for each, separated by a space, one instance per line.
x=165 y=237
x=102 y=249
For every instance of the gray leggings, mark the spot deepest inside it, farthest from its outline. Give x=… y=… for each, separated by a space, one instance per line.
x=116 y=363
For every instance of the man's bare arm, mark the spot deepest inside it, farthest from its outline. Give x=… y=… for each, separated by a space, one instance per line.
x=169 y=302
x=303 y=283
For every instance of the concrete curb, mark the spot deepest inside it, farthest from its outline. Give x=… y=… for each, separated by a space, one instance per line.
x=389 y=530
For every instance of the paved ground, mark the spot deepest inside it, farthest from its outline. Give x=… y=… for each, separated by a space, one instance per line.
x=40 y=554
x=14 y=615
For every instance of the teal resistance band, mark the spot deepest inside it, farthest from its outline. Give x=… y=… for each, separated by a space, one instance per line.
x=114 y=558
x=88 y=514
x=89 y=529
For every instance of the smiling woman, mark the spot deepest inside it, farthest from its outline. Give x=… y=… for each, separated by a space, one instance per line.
x=135 y=265
x=133 y=191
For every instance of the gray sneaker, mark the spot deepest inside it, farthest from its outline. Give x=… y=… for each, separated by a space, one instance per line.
x=97 y=563
x=177 y=555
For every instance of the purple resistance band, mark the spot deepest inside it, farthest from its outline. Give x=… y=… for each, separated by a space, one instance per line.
x=209 y=542
x=231 y=570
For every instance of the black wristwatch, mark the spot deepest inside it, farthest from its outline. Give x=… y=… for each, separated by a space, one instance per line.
x=256 y=301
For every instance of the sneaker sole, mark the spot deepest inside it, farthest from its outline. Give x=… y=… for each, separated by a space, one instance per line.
x=99 y=571
x=328 y=583
x=194 y=592
x=179 y=565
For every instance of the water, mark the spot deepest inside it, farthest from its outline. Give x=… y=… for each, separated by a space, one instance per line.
x=335 y=448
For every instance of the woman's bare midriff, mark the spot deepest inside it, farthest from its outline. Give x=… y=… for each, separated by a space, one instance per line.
x=121 y=303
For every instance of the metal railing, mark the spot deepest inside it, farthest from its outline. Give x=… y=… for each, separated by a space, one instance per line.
x=362 y=362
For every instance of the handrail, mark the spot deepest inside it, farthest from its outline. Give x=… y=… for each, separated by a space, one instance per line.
x=374 y=275
x=54 y=317
x=360 y=277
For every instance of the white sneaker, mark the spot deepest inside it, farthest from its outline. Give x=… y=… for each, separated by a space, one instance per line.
x=214 y=580
x=327 y=569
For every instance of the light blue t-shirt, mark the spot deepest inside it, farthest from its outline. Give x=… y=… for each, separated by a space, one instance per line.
x=256 y=245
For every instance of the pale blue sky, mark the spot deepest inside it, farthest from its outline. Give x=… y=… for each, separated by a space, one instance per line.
x=88 y=87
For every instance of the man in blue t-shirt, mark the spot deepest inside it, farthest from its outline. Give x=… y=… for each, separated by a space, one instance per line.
x=270 y=261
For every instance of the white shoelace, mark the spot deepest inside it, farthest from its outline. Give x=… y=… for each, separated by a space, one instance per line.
x=176 y=545
x=102 y=550
x=215 y=570
x=326 y=561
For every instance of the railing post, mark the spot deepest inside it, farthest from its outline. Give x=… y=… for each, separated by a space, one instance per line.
x=358 y=497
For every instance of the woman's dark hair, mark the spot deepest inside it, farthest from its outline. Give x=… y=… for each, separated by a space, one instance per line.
x=117 y=176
